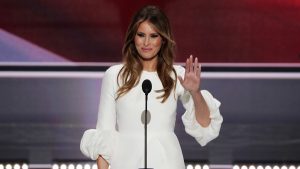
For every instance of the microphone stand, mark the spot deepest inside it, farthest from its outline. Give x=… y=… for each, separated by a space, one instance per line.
x=145 y=124
x=146 y=113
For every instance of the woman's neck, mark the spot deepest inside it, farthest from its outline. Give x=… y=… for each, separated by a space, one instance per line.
x=150 y=66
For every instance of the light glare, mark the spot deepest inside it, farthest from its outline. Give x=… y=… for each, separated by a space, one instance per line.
x=189 y=166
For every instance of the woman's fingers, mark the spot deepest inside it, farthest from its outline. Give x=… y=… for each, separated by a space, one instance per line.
x=187 y=66
x=191 y=63
x=192 y=66
x=199 y=70
x=196 y=66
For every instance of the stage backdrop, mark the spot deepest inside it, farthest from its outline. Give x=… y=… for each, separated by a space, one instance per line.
x=93 y=31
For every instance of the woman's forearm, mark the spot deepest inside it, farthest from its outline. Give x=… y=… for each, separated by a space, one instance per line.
x=201 y=109
x=102 y=163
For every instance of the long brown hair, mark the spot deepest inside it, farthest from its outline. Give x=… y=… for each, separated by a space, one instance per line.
x=131 y=71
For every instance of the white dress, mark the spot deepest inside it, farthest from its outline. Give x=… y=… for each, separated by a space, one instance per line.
x=119 y=134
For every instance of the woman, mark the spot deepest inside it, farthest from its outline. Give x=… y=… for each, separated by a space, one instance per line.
x=148 y=54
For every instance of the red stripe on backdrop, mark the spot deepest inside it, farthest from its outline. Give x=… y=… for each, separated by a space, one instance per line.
x=215 y=31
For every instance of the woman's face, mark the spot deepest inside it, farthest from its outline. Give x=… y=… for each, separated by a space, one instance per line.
x=147 y=41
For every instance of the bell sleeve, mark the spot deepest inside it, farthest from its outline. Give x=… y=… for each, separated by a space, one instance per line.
x=203 y=135
x=101 y=141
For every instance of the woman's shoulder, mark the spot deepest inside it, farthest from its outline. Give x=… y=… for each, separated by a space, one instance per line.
x=114 y=69
x=179 y=69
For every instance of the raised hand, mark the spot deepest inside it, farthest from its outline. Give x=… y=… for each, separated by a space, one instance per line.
x=191 y=80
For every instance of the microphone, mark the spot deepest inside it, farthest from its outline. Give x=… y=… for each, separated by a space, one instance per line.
x=147 y=86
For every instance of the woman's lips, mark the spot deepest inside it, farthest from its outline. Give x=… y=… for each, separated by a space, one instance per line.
x=146 y=49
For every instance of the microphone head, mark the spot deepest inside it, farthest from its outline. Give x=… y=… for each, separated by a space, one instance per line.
x=147 y=86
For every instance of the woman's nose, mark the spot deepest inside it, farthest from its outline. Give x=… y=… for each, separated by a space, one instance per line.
x=146 y=41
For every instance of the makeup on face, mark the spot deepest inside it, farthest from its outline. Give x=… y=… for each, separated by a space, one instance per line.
x=147 y=41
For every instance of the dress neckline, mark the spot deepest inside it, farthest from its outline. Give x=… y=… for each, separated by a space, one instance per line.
x=149 y=72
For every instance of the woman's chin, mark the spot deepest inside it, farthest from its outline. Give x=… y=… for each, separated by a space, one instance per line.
x=148 y=57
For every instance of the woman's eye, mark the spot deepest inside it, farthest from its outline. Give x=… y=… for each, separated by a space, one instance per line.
x=154 y=36
x=140 y=35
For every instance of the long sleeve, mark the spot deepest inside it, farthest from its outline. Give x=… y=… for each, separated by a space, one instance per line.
x=203 y=135
x=101 y=141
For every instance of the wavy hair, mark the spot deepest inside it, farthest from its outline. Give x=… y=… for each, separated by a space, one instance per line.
x=130 y=73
